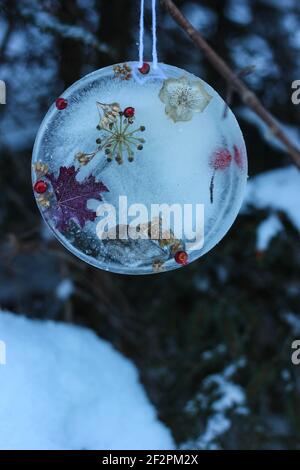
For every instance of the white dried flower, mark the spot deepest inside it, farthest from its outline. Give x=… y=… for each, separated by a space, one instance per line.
x=183 y=98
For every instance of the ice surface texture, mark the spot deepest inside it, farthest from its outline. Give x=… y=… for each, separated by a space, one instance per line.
x=184 y=152
x=64 y=388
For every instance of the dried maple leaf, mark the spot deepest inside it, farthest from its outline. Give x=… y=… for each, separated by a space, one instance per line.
x=72 y=197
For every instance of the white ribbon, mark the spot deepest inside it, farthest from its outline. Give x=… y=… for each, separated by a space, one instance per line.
x=142 y=34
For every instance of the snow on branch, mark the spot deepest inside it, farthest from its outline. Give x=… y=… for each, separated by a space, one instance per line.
x=46 y=22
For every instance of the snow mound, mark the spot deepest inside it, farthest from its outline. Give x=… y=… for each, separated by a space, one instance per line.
x=267 y=230
x=278 y=189
x=64 y=388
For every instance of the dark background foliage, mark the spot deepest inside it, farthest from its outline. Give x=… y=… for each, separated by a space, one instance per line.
x=216 y=324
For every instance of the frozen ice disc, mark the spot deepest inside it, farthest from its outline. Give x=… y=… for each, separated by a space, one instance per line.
x=139 y=173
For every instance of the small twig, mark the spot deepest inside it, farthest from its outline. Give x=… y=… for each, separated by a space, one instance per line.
x=212 y=187
x=248 y=97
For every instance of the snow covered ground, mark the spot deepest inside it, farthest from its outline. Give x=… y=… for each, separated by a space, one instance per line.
x=227 y=397
x=277 y=189
x=64 y=388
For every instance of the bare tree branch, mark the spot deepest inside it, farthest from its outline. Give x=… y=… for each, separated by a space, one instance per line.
x=235 y=82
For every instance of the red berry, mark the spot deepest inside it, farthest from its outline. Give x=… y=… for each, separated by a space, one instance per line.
x=181 y=257
x=40 y=187
x=145 y=68
x=221 y=159
x=61 y=103
x=129 y=112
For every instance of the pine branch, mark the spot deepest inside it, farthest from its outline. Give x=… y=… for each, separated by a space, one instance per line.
x=234 y=81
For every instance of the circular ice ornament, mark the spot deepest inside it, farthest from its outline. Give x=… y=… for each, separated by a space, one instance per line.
x=137 y=171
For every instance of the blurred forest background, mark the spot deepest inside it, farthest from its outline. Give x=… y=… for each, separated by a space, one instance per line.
x=212 y=342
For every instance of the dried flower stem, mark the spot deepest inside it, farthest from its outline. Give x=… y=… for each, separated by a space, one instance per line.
x=212 y=187
x=248 y=97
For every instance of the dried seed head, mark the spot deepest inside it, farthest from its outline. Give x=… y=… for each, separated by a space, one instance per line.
x=120 y=144
x=177 y=246
x=41 y=168
x=123 y=72
x=119 y=159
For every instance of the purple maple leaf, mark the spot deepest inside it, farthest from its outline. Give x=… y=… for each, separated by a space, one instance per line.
x=72 y=197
